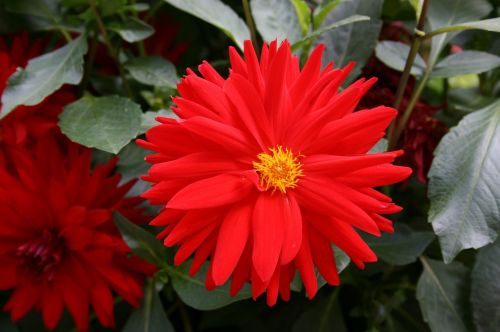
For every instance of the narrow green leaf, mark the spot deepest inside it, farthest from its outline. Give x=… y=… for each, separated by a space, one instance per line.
x=465 y=200
x=133 y=30
x=394 y=54
x=322 y=11
x=466 y=62
x=192 y=290
x=141 y=242
x=492 y=24
x=324 y=315
x=485 y=289
x=319 y=32
x=442 y=292
x=402 y=247
x=352 y=42
x=218 y=14
x=304 y=15
x=153 y=70
x=151 y=316
x=44 y=75
x=276 y=19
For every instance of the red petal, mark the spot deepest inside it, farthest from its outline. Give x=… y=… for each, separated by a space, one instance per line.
x=375 y=176
x=305 y=265
x=52 y=307
x=269 y=217
x=212 y=192
x=293 y=230
x=233 y=235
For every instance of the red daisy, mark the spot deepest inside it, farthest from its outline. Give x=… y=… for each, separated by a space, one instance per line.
x=58 y=244
x=266 y=169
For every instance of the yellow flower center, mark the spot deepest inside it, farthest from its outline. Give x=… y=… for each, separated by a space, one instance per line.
x=278 y=169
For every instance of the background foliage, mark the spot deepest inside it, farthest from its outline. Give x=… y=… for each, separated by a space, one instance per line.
x=438 y=271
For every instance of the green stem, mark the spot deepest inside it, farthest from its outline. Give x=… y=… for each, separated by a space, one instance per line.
x=65 y=34
x=153 y=11
x=250 y=23
x=89 y=64
x=186 y=323
x=111 y=51
x=403 y=82
x=328 y=309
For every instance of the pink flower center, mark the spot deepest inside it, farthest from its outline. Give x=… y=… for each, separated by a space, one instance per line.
x=42 y=255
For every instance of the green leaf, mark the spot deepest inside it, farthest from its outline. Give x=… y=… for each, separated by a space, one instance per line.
x=485 y=288
x=44 y=75
x=402 y=247
x=322 y=11
x=6 y=325
x=106 y=123
x=442 y=292
x=151 y=316
x=131 y=164
x=380 y=147
x=445 y=13
x=394 y=54
x=492 y=24
x=149 y=118
x=276 y=19
x=466 y=62
x=140 y=241
x=111 y=7
x=304 y=15
x=319 y=32
x=133 y=30
x=324 y=315
x=153 y=70
x=354 y=42
x=218 y=14
x=45 y=9
x=192 y=290
x=463 y=190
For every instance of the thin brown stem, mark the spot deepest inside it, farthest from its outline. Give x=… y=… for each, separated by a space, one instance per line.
x=111 y=51
x=393 y=134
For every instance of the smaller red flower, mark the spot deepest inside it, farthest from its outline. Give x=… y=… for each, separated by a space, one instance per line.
x=59 y=247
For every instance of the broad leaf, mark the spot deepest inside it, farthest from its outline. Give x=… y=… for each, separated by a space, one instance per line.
x=463 y=183
x=445 y=13
x=44 y=75
x=45 y=9
x=149 y=119
x=402 y=247
x=131 y=164
x=354 y=42
x=442 y=292
x=140 y=241
x=394 y=54
x=276 y=19
x=151 y=316
x=153 y=70
x=319 y=32
x=106 y=123
x=218 y=14
x=466 y=62
x=133 y=30
x=192 y=290
x=492 y=24
x=485 y=292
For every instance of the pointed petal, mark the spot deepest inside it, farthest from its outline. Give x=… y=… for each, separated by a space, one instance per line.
x=293 y=230
x=268 y=226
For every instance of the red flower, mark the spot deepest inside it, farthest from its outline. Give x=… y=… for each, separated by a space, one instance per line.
x=267 y=168
x=58 y=244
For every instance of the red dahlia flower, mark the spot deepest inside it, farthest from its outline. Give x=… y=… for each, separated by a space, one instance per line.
x=266 y=169
x=58 y=245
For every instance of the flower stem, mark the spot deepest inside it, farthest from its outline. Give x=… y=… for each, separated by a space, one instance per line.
x=403 y=82
x=111 y=51
x=250 y=23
